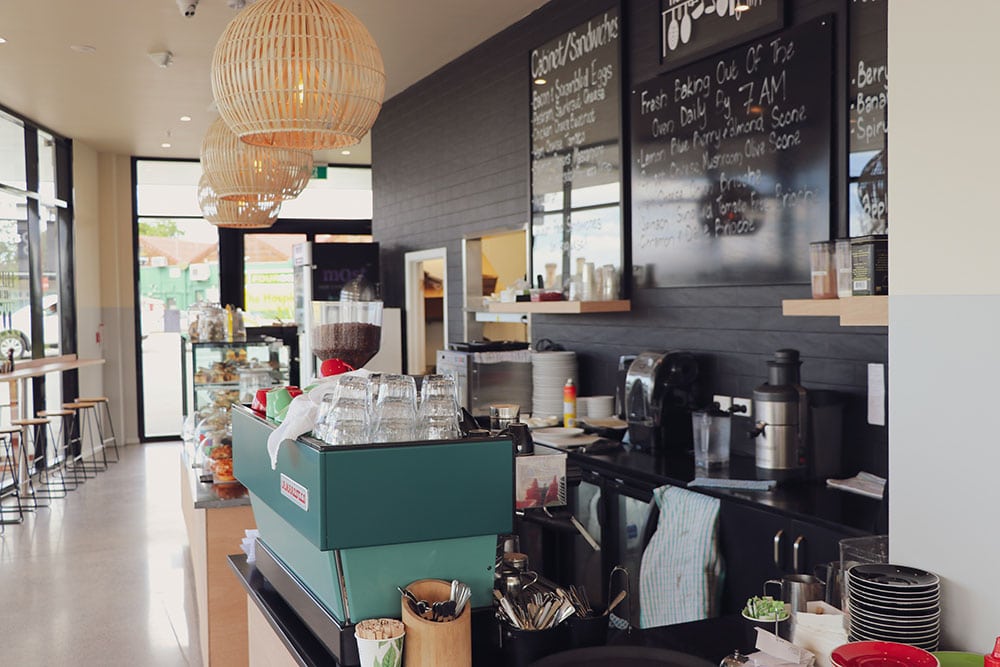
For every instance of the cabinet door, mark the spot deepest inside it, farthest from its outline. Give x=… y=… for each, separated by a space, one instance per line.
x=754 y=544
x=813 y=545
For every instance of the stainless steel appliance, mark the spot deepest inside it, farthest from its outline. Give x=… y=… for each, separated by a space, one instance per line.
x=659 y=396
x=781 y=419
x=488 y=376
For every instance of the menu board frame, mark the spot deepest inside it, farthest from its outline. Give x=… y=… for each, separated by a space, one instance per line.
x=715 y=198
x=602 y=84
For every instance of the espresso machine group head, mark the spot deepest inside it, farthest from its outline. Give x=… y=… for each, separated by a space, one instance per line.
x=660 y=391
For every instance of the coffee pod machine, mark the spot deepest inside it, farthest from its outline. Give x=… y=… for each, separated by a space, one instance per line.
x=660 y=393
x=781 y=419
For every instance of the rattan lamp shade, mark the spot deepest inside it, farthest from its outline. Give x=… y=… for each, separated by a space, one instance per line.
x=241 y=172
x=298 y=74
x=235 y=214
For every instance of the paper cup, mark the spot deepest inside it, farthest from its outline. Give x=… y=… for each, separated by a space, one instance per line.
x=380 y=652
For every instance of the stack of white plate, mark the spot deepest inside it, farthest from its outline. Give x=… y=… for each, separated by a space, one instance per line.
x=894 y=603
x=549 y=372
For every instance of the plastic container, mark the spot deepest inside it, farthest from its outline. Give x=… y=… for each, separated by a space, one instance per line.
x=212 y=324
x=824 y=274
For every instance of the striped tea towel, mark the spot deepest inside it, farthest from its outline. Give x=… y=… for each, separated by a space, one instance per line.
x=681 y=567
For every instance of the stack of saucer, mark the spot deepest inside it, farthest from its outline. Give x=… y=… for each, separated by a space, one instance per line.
x=549 y=372
x=894 y=603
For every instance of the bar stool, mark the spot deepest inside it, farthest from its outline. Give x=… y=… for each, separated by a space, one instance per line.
x=64 y=426
x=38 y=433
x=81 y=424
x=103 y=411
x=26 y=456
x=9 y=462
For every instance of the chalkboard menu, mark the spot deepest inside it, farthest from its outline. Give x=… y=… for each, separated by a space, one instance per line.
x=731 y=164
x=576 y=222
x=868 y=112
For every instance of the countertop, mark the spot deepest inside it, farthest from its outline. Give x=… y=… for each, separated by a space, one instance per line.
x=810 y=501
x=213 y=496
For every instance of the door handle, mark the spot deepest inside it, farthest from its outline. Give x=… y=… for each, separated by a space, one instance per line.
x=798 y=546
x=778 y=539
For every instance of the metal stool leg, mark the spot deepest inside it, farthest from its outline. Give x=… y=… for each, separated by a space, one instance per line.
x=83 y=425
x=9 y=463
x=51 y=481
x=28 y=460
x=61 y=443
x=107 y=424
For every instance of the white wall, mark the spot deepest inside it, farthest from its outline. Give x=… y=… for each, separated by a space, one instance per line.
x=87 y=266
x=944 y=312
x=116 y=289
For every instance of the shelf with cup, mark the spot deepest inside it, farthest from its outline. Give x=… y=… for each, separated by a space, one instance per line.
x=560 y=307
x=854 y=311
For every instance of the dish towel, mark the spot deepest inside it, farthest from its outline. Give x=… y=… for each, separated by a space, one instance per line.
x=681 y=567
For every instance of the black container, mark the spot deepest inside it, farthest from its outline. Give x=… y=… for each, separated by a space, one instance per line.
x=870 y=265
x=520 y=648
x=586 y=632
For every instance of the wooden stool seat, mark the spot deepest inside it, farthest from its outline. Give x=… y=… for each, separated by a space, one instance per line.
x=94 y=399
x=79 y=405
x=29 y=422
x=55 y=413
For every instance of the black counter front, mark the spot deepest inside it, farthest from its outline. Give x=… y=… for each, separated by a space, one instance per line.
x=710 y=639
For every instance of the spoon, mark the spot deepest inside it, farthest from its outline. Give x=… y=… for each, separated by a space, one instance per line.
x=685 y=26
x=672 y=30
x=617 y=601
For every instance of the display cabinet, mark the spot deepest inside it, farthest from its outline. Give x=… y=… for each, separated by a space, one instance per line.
x=212 y=369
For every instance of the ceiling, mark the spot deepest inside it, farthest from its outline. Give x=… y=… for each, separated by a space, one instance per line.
x=114 y=97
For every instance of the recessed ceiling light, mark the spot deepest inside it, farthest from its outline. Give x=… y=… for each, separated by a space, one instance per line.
x=83 y=48
x=2 y=40
x=185 y=119
x=540 y=81
x=742 y=7
x=345 y=152
x=165 y=144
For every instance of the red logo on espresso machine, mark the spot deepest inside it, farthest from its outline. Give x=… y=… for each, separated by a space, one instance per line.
x=295 y=492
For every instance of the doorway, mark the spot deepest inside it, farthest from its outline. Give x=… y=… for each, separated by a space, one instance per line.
x=426 y=279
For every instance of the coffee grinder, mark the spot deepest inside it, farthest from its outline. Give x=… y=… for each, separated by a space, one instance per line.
x=659 y=396
x=781 y=419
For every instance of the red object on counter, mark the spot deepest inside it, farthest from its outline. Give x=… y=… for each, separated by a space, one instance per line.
x=259 y=403
x=334 y=367
x=293 y=391
x=993 y=659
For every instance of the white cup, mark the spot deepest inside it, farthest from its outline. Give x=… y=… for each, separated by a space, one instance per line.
x=600 y=407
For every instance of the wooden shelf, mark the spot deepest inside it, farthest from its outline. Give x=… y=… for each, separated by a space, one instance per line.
x=560 y=307
x=855 y=311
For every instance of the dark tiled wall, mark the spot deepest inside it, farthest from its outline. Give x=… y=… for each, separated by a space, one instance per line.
x=450 y=159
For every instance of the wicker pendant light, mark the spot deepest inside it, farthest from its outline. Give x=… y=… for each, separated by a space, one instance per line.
x=241 y=172
x=298 y=74
x=235 y=214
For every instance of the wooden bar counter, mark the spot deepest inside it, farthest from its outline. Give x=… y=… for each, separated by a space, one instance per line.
x=216 y=518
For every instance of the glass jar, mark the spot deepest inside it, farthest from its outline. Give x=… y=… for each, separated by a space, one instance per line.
x=212 y=324
x=253 y=378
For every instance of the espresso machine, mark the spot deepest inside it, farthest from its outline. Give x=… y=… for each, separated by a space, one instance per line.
x=781 y=419
x=660 y=392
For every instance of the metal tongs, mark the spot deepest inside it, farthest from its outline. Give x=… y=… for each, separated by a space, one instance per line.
x=443 y=610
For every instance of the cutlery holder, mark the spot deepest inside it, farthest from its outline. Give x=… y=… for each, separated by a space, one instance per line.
x=433 y=644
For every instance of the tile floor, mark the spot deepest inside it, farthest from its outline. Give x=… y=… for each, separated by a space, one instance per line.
x=103 y=576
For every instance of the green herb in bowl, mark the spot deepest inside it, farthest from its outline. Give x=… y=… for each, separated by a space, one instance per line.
x=765 y=609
